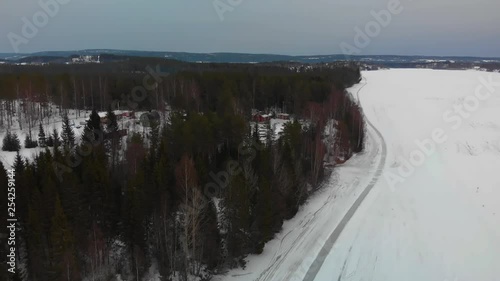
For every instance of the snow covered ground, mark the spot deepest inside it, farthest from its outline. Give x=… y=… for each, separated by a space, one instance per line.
x=55 y=122
x=275 y=125
x=441 y=221
x=48 y=125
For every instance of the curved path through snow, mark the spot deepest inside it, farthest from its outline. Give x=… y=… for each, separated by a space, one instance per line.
x=325 y=250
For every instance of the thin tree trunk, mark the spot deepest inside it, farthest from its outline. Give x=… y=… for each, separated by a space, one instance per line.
x=92 y=92
x=76 y=98
x=100 y=92
x=83 y=94
x=62 y=98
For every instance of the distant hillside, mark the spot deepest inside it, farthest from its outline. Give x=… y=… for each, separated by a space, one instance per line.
x=387 y=60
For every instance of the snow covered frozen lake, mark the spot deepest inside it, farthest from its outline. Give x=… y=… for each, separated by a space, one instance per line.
x=433 y=219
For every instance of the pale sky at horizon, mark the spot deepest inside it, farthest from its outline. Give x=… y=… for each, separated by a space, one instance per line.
x=291 y=27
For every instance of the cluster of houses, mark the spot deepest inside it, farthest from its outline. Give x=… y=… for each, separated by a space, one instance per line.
x=119 y=115
x=86 y=59
x=263 y=117
x=269 y=123
x=144 y=119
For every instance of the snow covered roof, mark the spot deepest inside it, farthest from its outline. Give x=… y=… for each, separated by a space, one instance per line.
x=117 y=112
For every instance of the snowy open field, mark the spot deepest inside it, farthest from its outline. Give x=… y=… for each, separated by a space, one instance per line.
x=54 y=122
x=77 y=120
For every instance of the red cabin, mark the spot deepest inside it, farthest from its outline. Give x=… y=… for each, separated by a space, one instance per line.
x=261 y=118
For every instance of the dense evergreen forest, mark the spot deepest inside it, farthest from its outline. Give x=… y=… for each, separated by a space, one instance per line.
x=195 y=193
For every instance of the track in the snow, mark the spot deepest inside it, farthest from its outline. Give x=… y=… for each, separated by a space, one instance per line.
x=325 y=250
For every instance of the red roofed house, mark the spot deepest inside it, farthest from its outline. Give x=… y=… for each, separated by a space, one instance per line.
x=261 y=117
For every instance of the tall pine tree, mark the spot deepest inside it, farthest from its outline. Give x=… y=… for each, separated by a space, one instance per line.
x=41 y=136
x=56 y=139
x=113 y=137
x=62 y=241
x=18 y=164
x=93 y=129
x=67 y=135
x=11 y=142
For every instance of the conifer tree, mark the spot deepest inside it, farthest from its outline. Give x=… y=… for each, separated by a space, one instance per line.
x=62 y=243
x=56 y=139
x=11 y=142
x=237 y=215
x=67 y=135
x=5 y=141
x=18 y=164
x=50 y=141
x=112 y=121
x=35 y=234
x=93 y=129
x=16 y=144
x=29 y=142
x=113 y=139
x=41 y=136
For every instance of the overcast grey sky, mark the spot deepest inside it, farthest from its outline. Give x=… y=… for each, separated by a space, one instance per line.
x=296 y=27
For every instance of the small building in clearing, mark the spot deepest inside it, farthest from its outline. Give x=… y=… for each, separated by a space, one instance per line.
x=103 y=116
x=283 y=116
x=260 y=118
